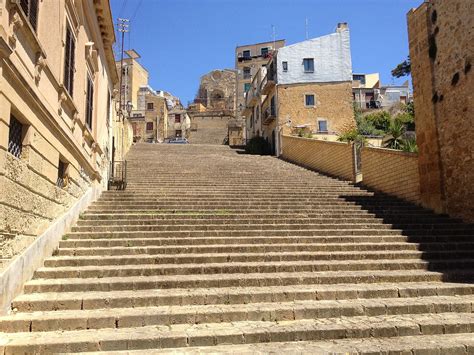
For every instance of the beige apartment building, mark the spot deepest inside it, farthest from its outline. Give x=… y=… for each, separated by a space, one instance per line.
x=304 y=88
x=57 y=75
x=248 y=60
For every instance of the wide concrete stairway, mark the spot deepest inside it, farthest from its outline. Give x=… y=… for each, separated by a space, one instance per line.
x=209 y=250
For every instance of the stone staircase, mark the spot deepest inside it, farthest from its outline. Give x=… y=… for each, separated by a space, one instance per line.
x=209 y=250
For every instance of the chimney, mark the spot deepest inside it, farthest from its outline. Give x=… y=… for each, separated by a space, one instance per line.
x=342 y=26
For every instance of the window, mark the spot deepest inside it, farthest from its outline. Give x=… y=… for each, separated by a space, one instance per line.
x=149 y=106
x=149 y=126
x=285 y=66
x=309 y=100
x=89 y=102
x=264 y=52
x=62 y=174
x=246 y=54
x=69 y=69
x=177 y=118
x=308 y=65
x=30 y=8
x=247 y=73
x=246 y=87
x=15 y=137
x=178 y=133
x=360 y=78
x=323 y=126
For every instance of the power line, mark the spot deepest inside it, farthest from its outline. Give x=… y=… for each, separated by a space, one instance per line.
x=136 y=10
x=124 y=3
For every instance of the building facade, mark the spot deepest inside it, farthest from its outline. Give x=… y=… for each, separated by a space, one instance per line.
x=179 y=123
x=149 y=121
x=306 y=87
x=57 y=76
x=443 y=86
x=248 y=61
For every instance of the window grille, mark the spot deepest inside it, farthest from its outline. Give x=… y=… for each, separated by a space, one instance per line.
x=15 y=137
x=61 y=181
x=30 y=8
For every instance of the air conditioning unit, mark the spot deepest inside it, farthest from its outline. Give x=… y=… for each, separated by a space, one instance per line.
x=239 y=55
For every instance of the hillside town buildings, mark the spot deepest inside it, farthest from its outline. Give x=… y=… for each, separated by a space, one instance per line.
x=248 y=61
x=306 y=86
x=369 y=93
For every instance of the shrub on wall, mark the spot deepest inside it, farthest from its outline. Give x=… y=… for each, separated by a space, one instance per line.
x=258 y=145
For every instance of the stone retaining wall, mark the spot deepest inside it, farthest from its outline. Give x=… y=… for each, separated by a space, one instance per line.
x=23 y=266
x=332 y=158
x=392 y=172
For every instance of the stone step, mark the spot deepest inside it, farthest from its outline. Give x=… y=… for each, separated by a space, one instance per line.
x=204 y=214
x=265 y=248
x=442 y=344
x=183 y=233
x=248 y=267
x=248 y=332
x=199 y=314
x=447 y=228
x=52 y=301
x=445 y=242
x=243 y=280
x=203 y=258
x=185 y=221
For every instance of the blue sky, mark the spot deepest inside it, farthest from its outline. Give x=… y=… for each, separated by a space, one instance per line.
x=180 y=40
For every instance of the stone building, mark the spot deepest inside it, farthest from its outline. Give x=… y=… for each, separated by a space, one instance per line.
x=217 y=90
x=57 y=76
x=213 y=109
x=248 y=60
x=149 y=121
x=179 y=123
x=442 y=54
x=305 y=86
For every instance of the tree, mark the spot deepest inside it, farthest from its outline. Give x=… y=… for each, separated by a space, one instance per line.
x=394 y=137
x=402 y=69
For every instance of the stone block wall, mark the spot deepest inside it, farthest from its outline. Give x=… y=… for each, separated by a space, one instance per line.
x=207 y=128
x=332 y=158
x=442 y=54
x=30 y=199
x=392 y=172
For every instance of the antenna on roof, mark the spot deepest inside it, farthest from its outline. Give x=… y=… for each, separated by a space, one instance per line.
x=306 y=27
x=273 y=35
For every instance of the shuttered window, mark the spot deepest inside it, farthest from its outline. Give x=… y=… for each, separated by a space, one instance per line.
x=69 y=61
x=89 y=102
x=30 y=8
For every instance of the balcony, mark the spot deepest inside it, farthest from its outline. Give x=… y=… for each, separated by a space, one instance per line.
x=268 y=83
x=268 y=115
x=251 y=97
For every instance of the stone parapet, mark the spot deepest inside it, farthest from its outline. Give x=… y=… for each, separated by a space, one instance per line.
x=392 y=172
x=332 y=158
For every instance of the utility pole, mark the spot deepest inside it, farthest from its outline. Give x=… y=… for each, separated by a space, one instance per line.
x=123 y=28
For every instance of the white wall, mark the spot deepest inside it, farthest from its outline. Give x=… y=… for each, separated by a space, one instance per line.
x=332 y=59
